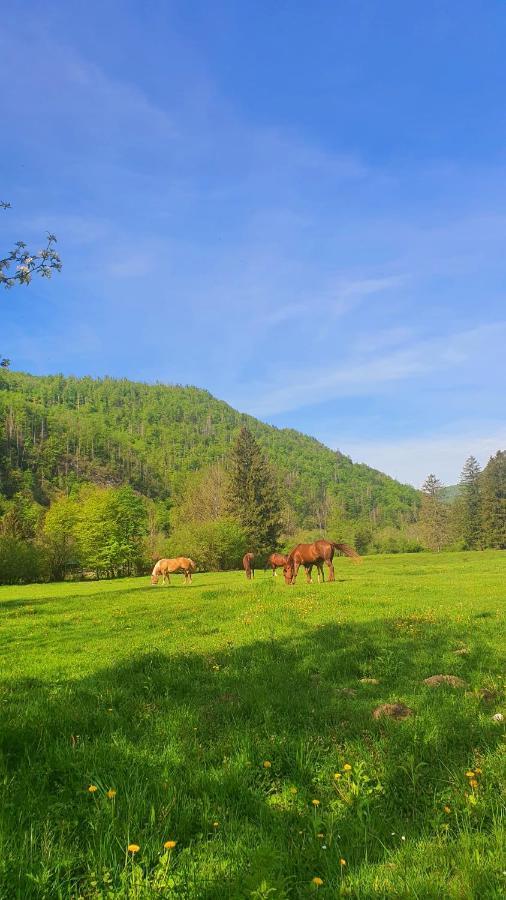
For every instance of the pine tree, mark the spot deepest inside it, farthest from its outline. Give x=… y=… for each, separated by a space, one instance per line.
x=469 y=504
x=494 y=501
x=252 y=495
x=433 y=514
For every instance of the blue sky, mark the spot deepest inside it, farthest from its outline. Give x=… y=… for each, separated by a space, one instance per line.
x=300 y=207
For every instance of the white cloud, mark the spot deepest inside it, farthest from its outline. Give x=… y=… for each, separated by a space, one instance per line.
x=366 y=376
x=410 y=460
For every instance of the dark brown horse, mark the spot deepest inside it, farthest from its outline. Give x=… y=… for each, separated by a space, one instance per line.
x=309 y=555
x=249 y=565
x=276 y=561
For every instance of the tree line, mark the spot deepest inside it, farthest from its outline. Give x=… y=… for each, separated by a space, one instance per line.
x=230 y=507
x=115 y=531
x=476 y=518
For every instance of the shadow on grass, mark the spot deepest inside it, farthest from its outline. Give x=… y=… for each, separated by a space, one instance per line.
x=183 y=738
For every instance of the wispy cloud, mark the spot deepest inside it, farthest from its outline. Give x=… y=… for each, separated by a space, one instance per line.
x=294 y=389
x=443 y=453
x=335 y=300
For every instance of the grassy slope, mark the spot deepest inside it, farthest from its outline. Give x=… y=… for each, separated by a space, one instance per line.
x=176 y=696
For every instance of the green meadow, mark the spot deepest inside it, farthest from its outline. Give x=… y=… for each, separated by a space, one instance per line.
x=233 y=719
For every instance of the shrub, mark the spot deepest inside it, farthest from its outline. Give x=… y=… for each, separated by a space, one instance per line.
x=217 y=545
x=21 y=561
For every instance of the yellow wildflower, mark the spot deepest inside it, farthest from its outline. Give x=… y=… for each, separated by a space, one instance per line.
x=169 y=845
x=293 y=790
x=133 y=848
x=111 y=794
x=92 y=788
x=477 y=771
x=469 y=774
x=315 y=802
x=473 y=783
x=318 y=881
x=320 y=835
x=337 y=775
x=216 y=824
x=342 y=862
x=447 y=810
x=267 y=764
x=347 y=767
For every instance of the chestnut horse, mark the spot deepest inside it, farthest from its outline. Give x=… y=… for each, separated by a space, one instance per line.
x=168 y=567
x=249 y=565
x=309 y=555
x=276 y=561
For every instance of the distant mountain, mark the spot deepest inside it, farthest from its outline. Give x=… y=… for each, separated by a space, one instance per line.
x=58 y=431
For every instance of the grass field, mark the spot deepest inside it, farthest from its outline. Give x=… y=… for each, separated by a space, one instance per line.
x=232 y=718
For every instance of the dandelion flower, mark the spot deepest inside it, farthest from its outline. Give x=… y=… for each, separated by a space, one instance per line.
x=315 y=802
x=133 y=848
x=473 y=783
x=320 y=835
x=111 y=794
x=347 y=767
x=469 y=774
x=293 y=790
x=216 y=824
x=342 y=862
x=477 y=771
x=337 y=775
x=267 y=764
x=92 y=788
x=318 y=881
x=447 y=810
x=169 y=845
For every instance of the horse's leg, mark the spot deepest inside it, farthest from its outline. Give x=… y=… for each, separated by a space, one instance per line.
x=321 y=572
x=296 y=566
x=309 y=574
x=332 y=576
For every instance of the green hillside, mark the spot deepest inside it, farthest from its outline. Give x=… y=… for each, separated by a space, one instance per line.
x=60 y=431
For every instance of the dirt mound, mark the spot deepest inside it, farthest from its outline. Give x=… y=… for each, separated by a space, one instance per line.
x=392 y=711
x=452 y=680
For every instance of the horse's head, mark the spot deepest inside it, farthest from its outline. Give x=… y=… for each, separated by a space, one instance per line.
x=154 y=579
x=288 y=571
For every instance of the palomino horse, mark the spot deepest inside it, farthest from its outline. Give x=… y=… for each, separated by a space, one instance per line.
x=276 y=561
x=309 y=555
x=249 y=565
x=168 y=567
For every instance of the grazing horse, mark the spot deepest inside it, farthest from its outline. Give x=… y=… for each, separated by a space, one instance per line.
x=309 y=555
x=276 y=561
x=249 y=565
x=168 y=567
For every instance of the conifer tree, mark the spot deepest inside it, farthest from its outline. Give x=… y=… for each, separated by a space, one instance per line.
x=433 y=514
x=469 y=504
x=252 y=495
x=494 y=501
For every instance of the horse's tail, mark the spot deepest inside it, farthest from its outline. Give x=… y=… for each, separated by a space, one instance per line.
x=348 y=551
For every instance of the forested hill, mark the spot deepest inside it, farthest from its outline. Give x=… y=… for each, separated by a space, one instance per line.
x=58 y=431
